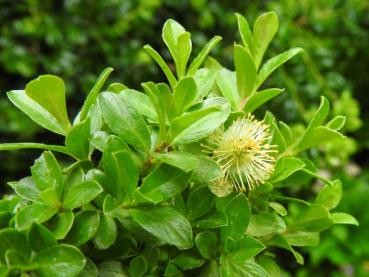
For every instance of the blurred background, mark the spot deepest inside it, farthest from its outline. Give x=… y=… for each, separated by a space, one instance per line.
x=77 y=39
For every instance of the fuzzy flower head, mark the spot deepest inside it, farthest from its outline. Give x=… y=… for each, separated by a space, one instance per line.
x=243 y=154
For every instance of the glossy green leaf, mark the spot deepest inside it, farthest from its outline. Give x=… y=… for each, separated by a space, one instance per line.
x=199 y=202
x=164 y=67
x=226 y=81
x=77 y=140
x=84 y=228
x=163 y=183
x=282 y=242
x=343 y=218
x=120 y=168
x=302 y=238
x=36 y=212
x=106 y=233
x=288 y=166
x=13 y=240
x=40 y=238
x=265 y=224
x=207 y=243
x=47 y=173
x=27 y=189
x=246 y=34
x=205 y=79
x=124 y=120
x=238 y=267
x=137 y=267
x=140 y=102
x=164 y=223
x=238 y=213
x=260 y=98
x=245 y=71
x=49 y=92
x=81 y=194
x=111 y=268
x=59 y=261
x=211 y=221
x=36 y=112
x=61 y=224
x=265 y=28
x=92 y=96
x=315 y=218
x=187 y=262
x=184 y=94
x=179 y=44
x=90 y=269
x=279 y=208
x=206 y=171
x=196 y=125
x=182 y=160
x=330 y=196
x=272 y=64
x=337 y=123
x=196 y=63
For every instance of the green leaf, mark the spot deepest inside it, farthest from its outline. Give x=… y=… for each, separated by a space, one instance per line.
x=61 y=224
x=330 y=196
x=282 y=242
x=272 y=64
x=196 y=63
x=164 y=223
x=124 y=121
x=59 y=261
x=111 y=268
x=211 y=221
x=137 y=267
x=226 y=81
x=245 y=71
x=246 y=34
x=84 y=228
x=164 y=67
x=319 y=136
x=315 y=218
x=179 y=44
x=40 y=238
x=302 y=238
x=185 y=261
x=184 y=94
x=90 y=269
x=92 y=96
x=106 y=233
x=46 y=173
x=279 y=208
x=140 y=102
x=49 y=92
x=116 y=87
x=247 y=247
x=36 y=212
x=196 y=125
x=120 y=168
x=13 y=240
x=77 y=140
x=320 y=115
x=265 y=28
x=172 y=271
x=337 y=123
x=288 y=166
x=238 y=213
x=210 y=269
x=81 y=194
x=207 y=243
x=16 y=260
x=163 y=183
x=204 y=79
x=182 y=160
x=343 y=218
x=36 y=112
x=199 y=202
x=260 y=98
x=206 y=171
x=27 y=189
x=265 y=224
x=270 y=266
x=239 y=267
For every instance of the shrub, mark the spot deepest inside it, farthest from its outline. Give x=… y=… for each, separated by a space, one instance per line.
x=181 y=180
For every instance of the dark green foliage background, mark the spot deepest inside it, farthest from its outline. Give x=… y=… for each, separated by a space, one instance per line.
x=76 y=39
